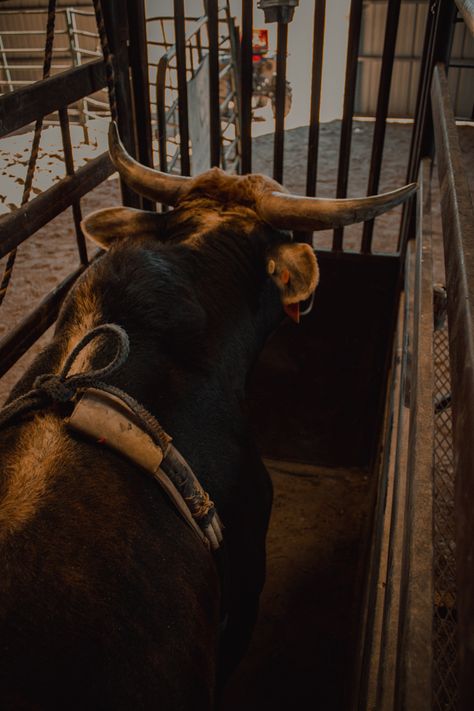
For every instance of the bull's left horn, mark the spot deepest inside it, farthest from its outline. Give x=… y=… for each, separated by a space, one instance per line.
x=294 y=212
x=150 y=183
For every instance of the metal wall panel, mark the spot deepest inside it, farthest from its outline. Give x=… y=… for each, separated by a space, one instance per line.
x=406 y=69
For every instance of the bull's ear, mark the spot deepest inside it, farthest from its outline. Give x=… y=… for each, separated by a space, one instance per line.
x=294 y=269
x=113 y=223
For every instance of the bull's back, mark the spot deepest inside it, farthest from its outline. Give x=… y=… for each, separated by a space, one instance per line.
x=105 y=592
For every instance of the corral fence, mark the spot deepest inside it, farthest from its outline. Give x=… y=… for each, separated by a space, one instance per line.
x=416 y=630
x=21 y=56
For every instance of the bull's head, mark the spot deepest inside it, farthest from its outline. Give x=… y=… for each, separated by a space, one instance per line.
x=291 y=265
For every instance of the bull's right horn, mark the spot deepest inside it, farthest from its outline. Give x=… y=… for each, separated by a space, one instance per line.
x=294 y=212
x=151 y=183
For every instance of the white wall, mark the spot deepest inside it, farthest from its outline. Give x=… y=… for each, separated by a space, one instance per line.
x=300 y=37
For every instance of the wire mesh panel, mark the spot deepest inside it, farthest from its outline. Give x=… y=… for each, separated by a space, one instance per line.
x=445 y=673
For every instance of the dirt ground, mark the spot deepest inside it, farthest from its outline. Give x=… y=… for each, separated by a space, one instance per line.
x=301 y=653
x=302 y=649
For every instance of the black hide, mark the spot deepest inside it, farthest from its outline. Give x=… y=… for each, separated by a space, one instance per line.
x=107 y=599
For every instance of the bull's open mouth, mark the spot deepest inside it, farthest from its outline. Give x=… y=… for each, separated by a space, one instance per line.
x=300 y=308
x=293 y=311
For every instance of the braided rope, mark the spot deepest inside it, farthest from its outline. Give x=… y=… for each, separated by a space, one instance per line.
x=48 y=55
x=52 y=388
x=108 y=59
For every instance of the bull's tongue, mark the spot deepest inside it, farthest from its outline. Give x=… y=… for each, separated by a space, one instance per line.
x=293 y=311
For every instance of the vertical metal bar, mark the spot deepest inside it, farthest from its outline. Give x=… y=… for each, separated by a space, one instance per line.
x=436 y=47
x=457 y=214
x=180 y=41
x=246 y=85
x=199 y=45
x=214 y=109
x=116 y=24
x=315 y=106
x=69 y=163
x=76 y=61
x=413 y=685
x=235 y=76
x=348 y=111
x=141 y=92
x=278 y=150
x=391 y=28
x=5 y=67
x=161 y=115
x=316 y=80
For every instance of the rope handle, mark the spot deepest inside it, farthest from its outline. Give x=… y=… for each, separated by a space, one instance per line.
x=50 y=388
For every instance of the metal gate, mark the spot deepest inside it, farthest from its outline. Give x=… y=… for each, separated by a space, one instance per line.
x=416 y=647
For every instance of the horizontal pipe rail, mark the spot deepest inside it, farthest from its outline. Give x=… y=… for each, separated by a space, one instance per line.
x=33 y=50
x=22 y=107
x=23 y=336
x=26 y=220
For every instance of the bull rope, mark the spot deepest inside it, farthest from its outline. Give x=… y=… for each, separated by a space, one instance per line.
x=51 y=388
x=48 y=55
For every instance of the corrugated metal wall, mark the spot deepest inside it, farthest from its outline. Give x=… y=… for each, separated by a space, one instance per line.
x=405 y=73
x=22 y=38
x=407 y=62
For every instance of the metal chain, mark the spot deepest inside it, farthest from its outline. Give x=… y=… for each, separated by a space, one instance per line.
x=48 y=55
x=108 y=59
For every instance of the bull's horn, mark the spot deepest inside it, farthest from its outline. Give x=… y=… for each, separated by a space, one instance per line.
x=153 y=184
x=293 y=212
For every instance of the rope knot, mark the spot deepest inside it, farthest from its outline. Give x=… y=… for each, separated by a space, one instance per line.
x=61 y=388
x=54 y=387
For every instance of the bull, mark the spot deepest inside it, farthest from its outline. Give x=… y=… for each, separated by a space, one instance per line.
x=107 y=599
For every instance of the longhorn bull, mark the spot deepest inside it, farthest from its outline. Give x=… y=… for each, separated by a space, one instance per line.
x=107 y=599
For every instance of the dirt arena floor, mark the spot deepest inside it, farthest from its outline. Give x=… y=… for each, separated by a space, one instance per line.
x=302 y=649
